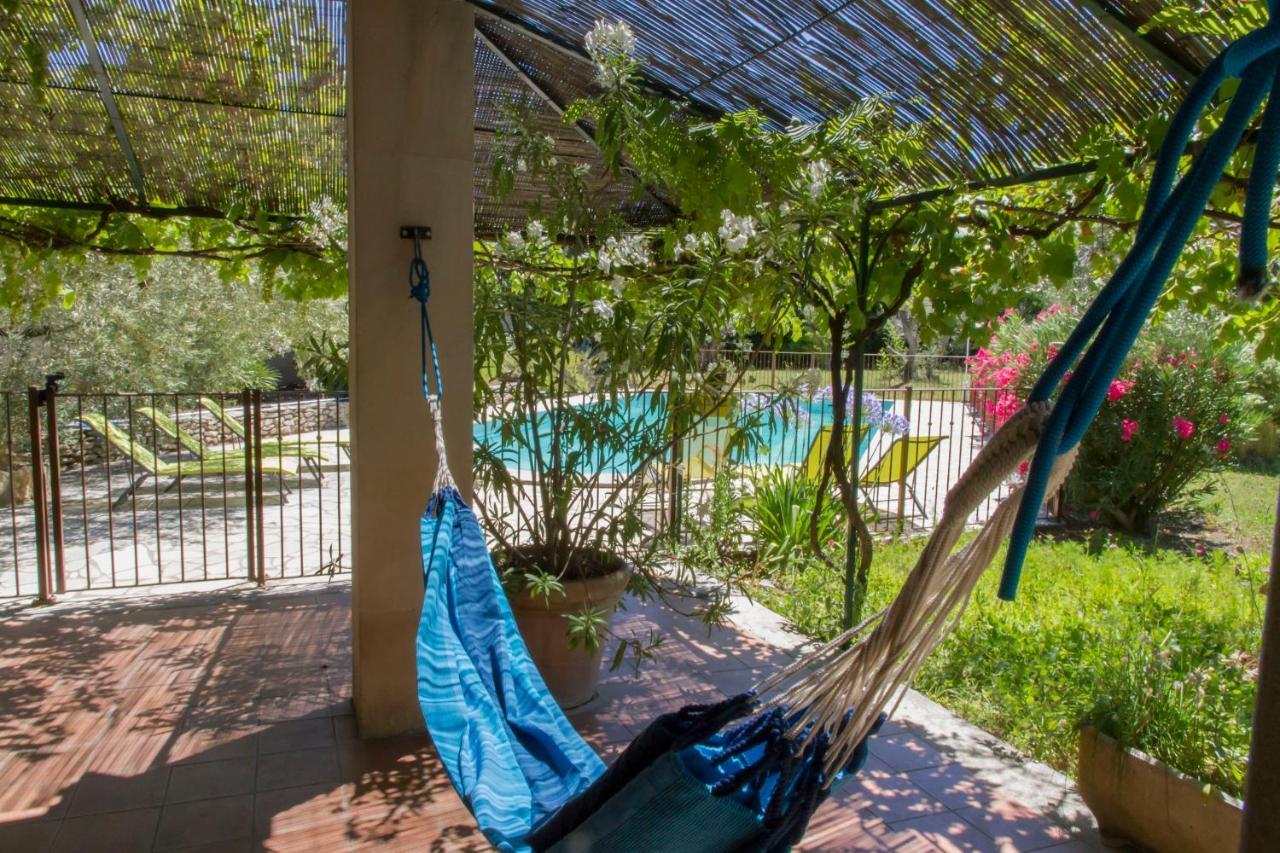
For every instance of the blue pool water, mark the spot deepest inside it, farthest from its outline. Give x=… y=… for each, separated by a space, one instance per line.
x=784 y=430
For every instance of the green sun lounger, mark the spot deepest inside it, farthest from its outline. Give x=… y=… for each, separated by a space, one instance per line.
x=311 y=457
x=153 y=466
x=319 y=439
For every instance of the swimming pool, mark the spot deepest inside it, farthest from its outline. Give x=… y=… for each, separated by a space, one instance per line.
x=782 y=433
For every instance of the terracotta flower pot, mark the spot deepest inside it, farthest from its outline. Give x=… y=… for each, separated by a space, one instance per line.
x=571 y=674
x=1142 y=801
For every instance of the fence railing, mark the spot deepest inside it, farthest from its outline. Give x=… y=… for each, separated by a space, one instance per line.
x=774 y=370
x=116 y=490
x=914 y=449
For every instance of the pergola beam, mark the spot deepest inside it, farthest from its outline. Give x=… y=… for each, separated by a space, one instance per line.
x=108 y=97
x=1159 y=48
x=564 y=47
x=533 y=85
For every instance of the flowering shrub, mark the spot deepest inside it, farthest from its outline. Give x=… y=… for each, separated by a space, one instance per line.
x=1178 y=408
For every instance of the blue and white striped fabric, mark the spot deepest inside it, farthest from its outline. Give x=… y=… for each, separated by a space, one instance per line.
x=509 y=750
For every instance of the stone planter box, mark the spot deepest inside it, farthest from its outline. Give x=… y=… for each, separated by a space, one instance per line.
x=1141 y=801
x=570 y=674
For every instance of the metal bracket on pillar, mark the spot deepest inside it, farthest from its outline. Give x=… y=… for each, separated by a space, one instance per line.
x=415 y=232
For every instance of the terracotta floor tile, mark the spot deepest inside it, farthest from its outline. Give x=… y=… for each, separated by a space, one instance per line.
x=196 y=745
x=96 y=793
x=241 y=845
x=119 y=832
x=948 y=832
x=299 y=767
x=205 y=821
x=296 y=734
x=235 y=712
x=286 y=811
x=1013 y=825
x=344 y=727
x=906 y=752
x=953 y=784
x=212 y=779
x=322 y=838
x=890 y=798
x=844 y=831
x=28 y=836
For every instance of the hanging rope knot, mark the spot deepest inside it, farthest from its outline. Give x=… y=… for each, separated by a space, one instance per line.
x=419 y=280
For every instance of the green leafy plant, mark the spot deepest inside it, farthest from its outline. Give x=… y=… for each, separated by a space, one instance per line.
x=1156 y=647
x=324 y=359
x=173 y=329
x=781 y=508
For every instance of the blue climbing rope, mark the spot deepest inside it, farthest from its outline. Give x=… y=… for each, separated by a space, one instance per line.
x=1172 y=207
x=420 y=289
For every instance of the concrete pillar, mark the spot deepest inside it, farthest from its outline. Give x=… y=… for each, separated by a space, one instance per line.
x=410 y=151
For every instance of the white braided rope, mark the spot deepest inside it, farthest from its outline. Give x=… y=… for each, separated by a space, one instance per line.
x=844 y=688
x=444 y=477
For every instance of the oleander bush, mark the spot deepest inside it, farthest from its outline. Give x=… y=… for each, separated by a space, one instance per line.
x=1179 y=408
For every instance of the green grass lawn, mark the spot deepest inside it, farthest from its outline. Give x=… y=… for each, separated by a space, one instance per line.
x=1243 y=508
x=1156 y=645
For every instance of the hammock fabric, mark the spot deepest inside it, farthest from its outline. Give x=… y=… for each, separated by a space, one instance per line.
x=748 y=773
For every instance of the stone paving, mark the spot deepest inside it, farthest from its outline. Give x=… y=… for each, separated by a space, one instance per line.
x=222 y=721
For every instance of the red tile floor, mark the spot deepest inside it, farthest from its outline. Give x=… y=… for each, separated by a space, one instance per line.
x=222 y=721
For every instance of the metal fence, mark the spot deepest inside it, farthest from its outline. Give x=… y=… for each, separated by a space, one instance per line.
x=776 y=370
x=904 y=476
x=116 y=490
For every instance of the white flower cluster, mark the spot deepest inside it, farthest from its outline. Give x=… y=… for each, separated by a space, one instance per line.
x=612 y=46
x=817 y=173
x=535 y=236
x=631 y=250
x=536 y=232
x=690 y=245
x=327 y=224
x=603 y=310
x=736 y=231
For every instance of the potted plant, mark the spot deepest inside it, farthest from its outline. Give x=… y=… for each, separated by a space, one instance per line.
x=592 y=383
x=1138 y=799
x=1164 y=746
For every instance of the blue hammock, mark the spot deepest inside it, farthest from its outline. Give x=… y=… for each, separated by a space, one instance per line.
x=734 y=776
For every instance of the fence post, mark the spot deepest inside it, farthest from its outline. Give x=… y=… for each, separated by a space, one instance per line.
x=902 y=466
x=257 y=487
x=55 y=481
x=44 y=579
x=773 y=371
x=246 y=407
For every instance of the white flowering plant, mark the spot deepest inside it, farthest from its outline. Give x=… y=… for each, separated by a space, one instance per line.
x=590 y=380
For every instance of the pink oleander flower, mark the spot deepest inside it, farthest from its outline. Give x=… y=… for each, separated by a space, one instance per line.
x=1119 y=387
x=1224 y=419
x=1201 y=551
x=1128 y=427
x=1224 y=446
x=1093 y=515
x=1024 y=468
x=1184 y=428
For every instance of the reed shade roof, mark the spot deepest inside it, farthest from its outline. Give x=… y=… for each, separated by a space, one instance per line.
x=244 y=100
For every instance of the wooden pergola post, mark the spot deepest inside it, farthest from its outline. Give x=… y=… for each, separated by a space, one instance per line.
x=1261 y=833
x=410 y=152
